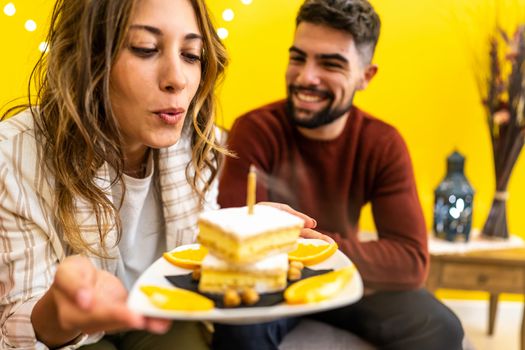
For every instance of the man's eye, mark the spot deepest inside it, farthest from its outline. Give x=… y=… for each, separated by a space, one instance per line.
x=143 y=51
x=332 y=65
x=297 y=59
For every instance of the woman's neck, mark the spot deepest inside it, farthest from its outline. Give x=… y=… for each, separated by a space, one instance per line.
x=135 y=162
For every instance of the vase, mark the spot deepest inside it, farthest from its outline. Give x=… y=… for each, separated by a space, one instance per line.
x=496 y=224
x=453 y=202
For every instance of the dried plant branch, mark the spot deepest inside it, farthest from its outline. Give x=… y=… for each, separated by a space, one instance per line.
x=503 y=97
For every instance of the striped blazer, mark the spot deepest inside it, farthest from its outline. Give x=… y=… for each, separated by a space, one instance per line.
x=31 y=245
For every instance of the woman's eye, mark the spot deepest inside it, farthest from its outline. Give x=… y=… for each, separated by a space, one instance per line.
x=191 y=58
x=143 y=51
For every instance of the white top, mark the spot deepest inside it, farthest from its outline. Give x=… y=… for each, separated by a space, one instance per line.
x=36 y=243
x=239 y=223
x=143 y=240
x=273 y=263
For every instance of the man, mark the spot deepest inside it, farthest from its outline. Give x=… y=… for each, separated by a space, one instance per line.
x=327 y=158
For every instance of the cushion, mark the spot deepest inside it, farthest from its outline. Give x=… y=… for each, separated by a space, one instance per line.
x=314 y=335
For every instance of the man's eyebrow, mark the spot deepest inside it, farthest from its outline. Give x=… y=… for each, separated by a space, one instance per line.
x=156 y=31
x=322 y=56
x=333 y=56
x=297 y=50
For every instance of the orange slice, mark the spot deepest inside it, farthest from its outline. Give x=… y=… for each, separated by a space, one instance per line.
x=177 y=299
x=188 y=257
x=318 y=288
x=311 y=254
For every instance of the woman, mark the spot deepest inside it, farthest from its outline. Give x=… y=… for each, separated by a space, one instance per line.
x=106 y=170
x=119 y=154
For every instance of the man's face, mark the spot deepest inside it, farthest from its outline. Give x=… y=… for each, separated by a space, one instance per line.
x=324 y=71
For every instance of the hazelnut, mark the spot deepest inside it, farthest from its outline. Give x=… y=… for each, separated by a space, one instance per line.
x=294 y=274
x=297 y=264
x=231 y=298
x=250 y=296
x=196 y=274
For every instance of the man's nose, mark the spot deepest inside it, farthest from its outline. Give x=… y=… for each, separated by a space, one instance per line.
x=308 y=75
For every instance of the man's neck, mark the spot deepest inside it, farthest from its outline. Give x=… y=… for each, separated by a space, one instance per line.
x=326 y=132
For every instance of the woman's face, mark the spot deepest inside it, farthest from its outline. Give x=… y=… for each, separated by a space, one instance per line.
x=156 y=74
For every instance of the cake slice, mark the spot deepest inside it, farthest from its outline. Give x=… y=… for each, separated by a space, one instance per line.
x=233 y=235
x=265 y=276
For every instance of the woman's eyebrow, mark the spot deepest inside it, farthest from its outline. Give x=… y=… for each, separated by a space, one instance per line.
x=156 y=31
x=151 y=29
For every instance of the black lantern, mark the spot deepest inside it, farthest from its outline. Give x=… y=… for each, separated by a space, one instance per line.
x=453 y=202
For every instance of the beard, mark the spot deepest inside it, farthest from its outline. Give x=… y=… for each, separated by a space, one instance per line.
x=323 y=117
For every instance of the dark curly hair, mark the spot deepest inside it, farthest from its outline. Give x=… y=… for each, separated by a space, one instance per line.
x=356 y=17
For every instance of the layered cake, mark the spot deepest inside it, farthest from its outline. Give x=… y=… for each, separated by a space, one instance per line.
x=265 y=276
x=247 y=249
x=237 y=237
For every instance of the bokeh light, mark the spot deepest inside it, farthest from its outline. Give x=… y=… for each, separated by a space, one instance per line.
x=30 y=25
x=10 y=9
x=228 y=15
x=222 y=33
x=43 y=47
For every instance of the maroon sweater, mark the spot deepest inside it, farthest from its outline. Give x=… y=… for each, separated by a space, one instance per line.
x=331 y=181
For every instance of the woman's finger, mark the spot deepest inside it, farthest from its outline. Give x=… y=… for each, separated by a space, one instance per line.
x=157 y=325
x=105 y=315
x=75 y=279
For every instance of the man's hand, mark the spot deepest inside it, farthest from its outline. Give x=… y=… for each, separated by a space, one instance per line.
x=309 y=233
x=308 y=221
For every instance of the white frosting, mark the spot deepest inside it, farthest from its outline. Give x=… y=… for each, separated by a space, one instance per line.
x=238 y=222
x=277 y=262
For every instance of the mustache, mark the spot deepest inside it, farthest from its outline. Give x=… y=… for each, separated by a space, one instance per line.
x=297 y=88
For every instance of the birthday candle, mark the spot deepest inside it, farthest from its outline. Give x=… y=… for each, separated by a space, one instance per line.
x=250 y=191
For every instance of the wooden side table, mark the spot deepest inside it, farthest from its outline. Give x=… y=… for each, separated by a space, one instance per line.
x=492 y=271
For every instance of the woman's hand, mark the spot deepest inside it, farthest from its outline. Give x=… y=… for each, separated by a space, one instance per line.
x=86 y=300
x=91 y=300
x=308 y=221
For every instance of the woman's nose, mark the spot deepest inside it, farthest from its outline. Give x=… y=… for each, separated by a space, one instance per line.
x=173 y=77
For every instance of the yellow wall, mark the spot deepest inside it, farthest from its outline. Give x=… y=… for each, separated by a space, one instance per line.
x=19 y=47
x=425 y=84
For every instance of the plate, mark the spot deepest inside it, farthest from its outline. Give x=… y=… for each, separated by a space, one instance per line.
x=154 y=275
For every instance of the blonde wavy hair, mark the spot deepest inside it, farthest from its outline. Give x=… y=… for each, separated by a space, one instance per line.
x=74 y=119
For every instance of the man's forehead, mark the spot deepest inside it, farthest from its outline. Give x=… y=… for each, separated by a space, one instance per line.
x=316 y=39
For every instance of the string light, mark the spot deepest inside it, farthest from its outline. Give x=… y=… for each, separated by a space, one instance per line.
x=228 y=15
x=30 y=25
x=10 y=9
x=43 y=47
x=222 y=33
x=246 y=2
